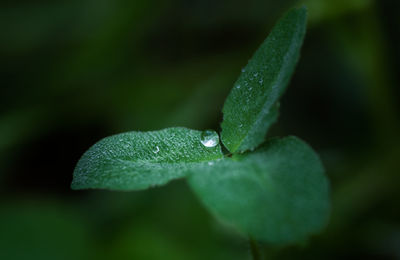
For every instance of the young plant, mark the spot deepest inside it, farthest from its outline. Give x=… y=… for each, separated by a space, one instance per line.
x=274 y=191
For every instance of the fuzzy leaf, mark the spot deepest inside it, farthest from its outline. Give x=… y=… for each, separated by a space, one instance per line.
x=251 y=107
x=277 y=194
x=139 y=160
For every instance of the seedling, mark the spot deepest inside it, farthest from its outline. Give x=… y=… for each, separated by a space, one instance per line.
x=273 y=191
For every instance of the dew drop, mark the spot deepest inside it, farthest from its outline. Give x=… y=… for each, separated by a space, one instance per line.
x=261 y=81
x=210 y=163
x=156 y=149
x=243 y=70
x=238 y=86
x=209 y=138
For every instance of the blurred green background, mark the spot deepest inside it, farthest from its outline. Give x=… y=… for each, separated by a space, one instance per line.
x=75 y=71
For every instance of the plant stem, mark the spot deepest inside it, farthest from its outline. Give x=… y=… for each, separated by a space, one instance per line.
x=255 y=250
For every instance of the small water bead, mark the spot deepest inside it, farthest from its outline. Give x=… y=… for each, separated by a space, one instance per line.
x=210 y=163
x=156 y=149
x=243 y=70
x=209 y=138
x=238 y=86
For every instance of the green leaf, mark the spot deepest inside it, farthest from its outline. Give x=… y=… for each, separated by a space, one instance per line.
x=277 y=194
x=139 y=160
x=251 y=107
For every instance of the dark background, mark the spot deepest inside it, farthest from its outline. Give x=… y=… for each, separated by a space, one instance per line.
x=75 y=71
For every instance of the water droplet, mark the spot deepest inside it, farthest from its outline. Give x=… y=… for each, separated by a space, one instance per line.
x=209 y=138
x=255 y=74
x=210 y=163
x=238 y=86
x=261 y=81
x=243 y=69
x=241 y=125
x=156 y=149
x=250 y=88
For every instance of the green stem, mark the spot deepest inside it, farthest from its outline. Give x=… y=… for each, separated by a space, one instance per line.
x=255 y=250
